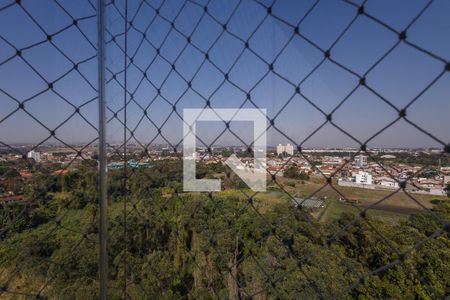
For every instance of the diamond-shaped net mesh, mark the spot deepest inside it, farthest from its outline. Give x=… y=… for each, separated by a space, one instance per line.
x=345 y=76
x=48 y=92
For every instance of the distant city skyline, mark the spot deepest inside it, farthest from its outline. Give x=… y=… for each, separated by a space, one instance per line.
x=272 y=148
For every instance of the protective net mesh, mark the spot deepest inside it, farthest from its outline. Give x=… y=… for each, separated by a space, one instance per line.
x=334 y=74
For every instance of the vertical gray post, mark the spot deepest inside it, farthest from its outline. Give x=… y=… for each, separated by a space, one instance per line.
x=103 y=202
x=125 y=159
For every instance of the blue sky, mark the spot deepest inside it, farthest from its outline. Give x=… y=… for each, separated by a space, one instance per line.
x=398 y=78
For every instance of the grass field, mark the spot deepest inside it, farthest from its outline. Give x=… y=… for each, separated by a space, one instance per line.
x=334 y=210
x=390 y=206
x=364 y=197
x=387 y=205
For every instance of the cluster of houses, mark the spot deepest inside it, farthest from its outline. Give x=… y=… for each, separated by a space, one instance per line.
x=360 y=172
x=49 y=157
x=355 y=172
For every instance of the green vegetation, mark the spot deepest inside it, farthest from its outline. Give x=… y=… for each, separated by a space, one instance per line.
x=230 y=244
x=292 y=172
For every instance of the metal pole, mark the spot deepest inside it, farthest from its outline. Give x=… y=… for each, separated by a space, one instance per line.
x=103 y=201
x=125 y=159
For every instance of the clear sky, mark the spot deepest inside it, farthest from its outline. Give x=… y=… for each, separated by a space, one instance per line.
x=398 y=78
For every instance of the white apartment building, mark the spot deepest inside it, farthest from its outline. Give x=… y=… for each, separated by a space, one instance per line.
x=288 y=149
x=363 y=178
x=280 y=149
x=34 y=155
x=361 y=161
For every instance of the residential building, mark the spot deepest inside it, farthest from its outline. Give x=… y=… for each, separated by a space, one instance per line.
x=289 y=149
x=34 y=155
x=387 y=182
x=280 y=149
x=361 y=161
x=363 y=178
